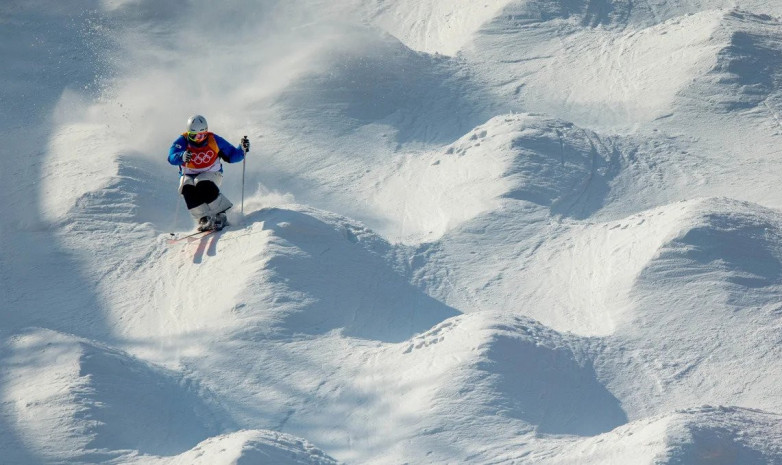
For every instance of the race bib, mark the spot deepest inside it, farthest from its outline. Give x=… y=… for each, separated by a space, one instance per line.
x=204 y=156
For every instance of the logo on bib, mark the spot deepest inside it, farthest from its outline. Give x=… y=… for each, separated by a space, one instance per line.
x=203 y=158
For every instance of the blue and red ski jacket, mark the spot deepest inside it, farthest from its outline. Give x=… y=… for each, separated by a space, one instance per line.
x=207 y=155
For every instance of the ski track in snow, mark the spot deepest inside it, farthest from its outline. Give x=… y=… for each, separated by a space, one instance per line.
x=496 y=232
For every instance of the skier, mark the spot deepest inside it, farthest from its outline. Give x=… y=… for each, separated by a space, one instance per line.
x=199 y=153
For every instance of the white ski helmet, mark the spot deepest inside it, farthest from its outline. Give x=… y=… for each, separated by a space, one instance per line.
x=196 y=123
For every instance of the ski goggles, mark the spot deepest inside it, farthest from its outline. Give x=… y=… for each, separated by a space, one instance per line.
x=197 y=136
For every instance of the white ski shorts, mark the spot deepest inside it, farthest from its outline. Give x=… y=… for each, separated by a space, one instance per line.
x=193 y=179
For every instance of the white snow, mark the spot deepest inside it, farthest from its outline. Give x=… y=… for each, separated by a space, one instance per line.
x=486 y=232
x=435 y=27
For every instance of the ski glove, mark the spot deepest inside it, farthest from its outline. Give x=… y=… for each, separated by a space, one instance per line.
x=187 y=156
x=245 y=144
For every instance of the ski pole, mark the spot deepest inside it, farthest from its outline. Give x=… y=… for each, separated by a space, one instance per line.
x=244 y=164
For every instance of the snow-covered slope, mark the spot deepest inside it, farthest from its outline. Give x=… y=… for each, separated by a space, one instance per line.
x=506 y=231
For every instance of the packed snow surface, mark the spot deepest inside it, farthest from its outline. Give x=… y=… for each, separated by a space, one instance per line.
x=506 y=231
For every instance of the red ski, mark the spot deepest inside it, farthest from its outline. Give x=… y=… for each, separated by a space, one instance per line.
x=192 y=237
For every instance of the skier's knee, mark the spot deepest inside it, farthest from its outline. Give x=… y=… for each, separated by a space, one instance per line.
x=208 y=191
x=191 y=195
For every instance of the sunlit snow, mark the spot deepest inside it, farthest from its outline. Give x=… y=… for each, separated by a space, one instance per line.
x=496 y=232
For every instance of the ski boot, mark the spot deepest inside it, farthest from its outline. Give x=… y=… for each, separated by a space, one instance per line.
x=220 y=221
x=206 y=223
